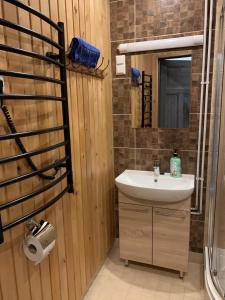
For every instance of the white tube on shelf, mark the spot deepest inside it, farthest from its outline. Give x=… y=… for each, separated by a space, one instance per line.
x=179 y=42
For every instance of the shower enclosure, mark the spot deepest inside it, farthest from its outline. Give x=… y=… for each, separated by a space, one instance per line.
x=215 y=242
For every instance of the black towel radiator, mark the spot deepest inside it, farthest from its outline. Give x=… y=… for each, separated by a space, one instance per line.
x=146 y=85
x=65 y=162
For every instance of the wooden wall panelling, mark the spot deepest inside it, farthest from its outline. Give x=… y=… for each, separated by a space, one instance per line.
x=75 y=126
x=42 y=121
x=17 y=168
x=93 y=144
x=68 y=228
x=108 y=121
x=6 y=252
x=70 y=207
x=94 y=112
x=89 y=82
x=86 y=149
x=104 y=123
x=107 y=89
x=84 y=220
x=64 y=274
x=47 y=119
x=29 y=118
x=83 y=174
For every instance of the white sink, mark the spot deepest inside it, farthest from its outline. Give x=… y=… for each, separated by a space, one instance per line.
x=141 y=185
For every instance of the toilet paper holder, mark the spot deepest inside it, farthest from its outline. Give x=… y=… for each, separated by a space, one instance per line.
x=39 y=240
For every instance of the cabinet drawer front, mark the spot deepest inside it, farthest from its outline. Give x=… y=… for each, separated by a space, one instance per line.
x=181 y=205
x=135 y=223
x=171 y=230
x=171 y=213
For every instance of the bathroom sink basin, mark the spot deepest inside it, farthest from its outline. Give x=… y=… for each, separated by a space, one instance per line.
x=141 y=185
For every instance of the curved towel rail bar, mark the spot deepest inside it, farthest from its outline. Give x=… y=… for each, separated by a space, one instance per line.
x=30 y=97
x=58 y=60
x=11 y=136
x=29 y=32
x=33 y=194
x=31 y=174
x=36 y=211
x=29 y=76
x=34 y=12
x=29 y=54
x=31 y=153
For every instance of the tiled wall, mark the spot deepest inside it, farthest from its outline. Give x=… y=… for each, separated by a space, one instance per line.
x=136 y=20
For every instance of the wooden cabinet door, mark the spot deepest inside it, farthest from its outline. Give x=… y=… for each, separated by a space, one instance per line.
x=171 y=230
x=135 y=222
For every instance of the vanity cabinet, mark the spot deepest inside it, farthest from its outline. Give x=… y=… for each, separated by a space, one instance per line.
x=171 y=238
x=136 y=232
x=154 y=233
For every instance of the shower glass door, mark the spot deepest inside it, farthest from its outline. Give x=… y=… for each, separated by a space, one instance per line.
x=216 y=232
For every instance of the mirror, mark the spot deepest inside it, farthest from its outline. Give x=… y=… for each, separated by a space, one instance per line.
x=160 y=95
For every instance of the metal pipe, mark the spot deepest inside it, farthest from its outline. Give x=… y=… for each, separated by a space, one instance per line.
x=206 y=106
x=201 y=107
x=196 y=207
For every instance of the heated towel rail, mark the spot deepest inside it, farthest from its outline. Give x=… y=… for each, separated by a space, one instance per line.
x=146 y=85
x=60 y=61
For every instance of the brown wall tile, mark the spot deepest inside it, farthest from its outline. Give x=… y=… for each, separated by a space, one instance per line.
x=122 y=20
x=147 y=138
x=121 y=96
x=123 y=133
x=124 y=159
x=197 y=234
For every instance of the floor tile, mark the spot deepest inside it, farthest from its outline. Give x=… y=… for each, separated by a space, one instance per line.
x=142 y=282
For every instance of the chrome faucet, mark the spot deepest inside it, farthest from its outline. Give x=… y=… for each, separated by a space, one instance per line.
x=156 y=168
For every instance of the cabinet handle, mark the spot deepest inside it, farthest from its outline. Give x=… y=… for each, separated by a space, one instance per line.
x=179 y=215
x=134 y=209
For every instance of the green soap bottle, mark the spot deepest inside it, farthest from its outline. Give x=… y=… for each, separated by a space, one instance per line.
x=175 y=165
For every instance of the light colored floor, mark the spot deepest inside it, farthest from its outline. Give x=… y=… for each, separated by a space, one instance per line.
x=138 y=282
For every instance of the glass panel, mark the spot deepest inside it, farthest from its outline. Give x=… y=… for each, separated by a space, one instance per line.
x=216 y=232
x=174 y=92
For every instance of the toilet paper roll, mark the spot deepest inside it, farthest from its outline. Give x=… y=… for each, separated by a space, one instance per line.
x=38 y=246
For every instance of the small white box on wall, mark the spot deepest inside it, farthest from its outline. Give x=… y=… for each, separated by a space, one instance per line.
x=120 y=64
